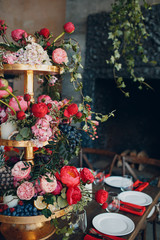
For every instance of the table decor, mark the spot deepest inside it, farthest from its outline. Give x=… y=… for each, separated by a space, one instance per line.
x=41 y=177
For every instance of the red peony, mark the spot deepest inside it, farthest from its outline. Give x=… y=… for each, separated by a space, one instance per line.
x=59 y=56
x=18 y=34
x=69 y=27
x=73 y=195
x=71 y=110
x=101 y=196
x=21 y=115
x=78 y=115
x=86 y=175
x=39 y=109
x=27 y=97
x=44 y=32
x=70 y=176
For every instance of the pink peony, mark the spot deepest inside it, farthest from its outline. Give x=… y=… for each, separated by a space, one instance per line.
x=18 y=34
x=25 y=191
x=19 y=172
x=48 y=186
x=59 y=56
x=4 y=93
x=69 y=27
x=43 y=98
x=13 y=103
x=58 y=188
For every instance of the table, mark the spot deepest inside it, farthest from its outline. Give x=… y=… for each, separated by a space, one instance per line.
x=94 y=208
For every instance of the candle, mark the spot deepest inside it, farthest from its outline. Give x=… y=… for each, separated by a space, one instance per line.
x=7 y=128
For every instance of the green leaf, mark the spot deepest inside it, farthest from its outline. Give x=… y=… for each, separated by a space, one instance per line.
x=62 y=202
x=25 y=132
x=19 y=137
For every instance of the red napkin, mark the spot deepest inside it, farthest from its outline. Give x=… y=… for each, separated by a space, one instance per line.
x=132 y=208
x=107 y=175
x=99 y=235
x=139 y=185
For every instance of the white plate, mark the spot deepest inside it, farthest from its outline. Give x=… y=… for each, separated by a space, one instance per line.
x=151 y=212
x=135 y=197
x=113 y=224
x=114 y=181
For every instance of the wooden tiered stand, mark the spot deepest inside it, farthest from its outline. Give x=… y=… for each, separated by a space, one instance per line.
x=34 y=227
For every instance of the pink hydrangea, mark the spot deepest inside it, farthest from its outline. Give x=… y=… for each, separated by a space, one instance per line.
x=59 y=56
x=25 y=191
x=13 y=103
x=43 y=98
x=18 y=34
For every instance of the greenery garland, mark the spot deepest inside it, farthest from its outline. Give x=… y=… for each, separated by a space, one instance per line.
x=127 y=32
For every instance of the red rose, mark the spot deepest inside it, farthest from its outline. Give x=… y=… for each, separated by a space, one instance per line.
x=78 y=115
x=86 y=175
x=44 y=32
x=101 y=196
x=73 y=195
x=39 y=109
x=71 y=110
x=69 y=27
x=18 y=34
x=21 y=115
x=70 y=176
x=27 y=97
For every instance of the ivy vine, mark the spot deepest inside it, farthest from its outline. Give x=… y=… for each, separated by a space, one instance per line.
x=127 y=32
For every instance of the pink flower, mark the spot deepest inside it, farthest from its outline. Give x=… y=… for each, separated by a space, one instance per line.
x=69 y=27
x=48 y=186
x=3 y=115
x=25 y=191
x=18 y=34
x=13 y=103
x=9 y=57
x=59 y=56
x=43 y=98
x=58 y=188
x=52 y=81
x=4 y=93
x=19 y=172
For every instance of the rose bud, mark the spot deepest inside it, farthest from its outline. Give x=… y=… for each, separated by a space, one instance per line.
x=27 y=97
x=69 y=27
x=78 y=115
x=3 y=84
x=44 y=32
x=21 y=115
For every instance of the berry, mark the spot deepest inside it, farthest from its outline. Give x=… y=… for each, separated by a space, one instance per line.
x=12 y=210
x=20 y=203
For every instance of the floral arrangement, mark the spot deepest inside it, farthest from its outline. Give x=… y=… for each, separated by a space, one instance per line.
x=50 y=183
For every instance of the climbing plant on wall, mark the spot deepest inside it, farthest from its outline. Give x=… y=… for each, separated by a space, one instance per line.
x=127 y=32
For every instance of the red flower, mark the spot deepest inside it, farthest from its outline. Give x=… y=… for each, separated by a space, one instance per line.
x=73 y=195
x=18 y=34
x=27 y=97
x=101 y=196
x=78 y=115
x=21 y=115
x=86 y=175
x=39 y=109
x=70 y=176
x=69 y=27
x=44 y=32
x=71 y=110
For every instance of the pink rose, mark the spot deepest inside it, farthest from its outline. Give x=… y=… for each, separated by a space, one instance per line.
x=13 y=103
x=18 y=34
x=4 y=93
x=71 y=110
x=70 y=176
x=44 y=32
x=43 y=98
x=59 y=56
x=25 y=191
x=69 y=27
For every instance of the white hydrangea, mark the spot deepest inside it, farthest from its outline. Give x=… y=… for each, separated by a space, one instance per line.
x=33 y=54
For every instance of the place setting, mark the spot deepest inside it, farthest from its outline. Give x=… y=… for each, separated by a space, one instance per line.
x=113 y=224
